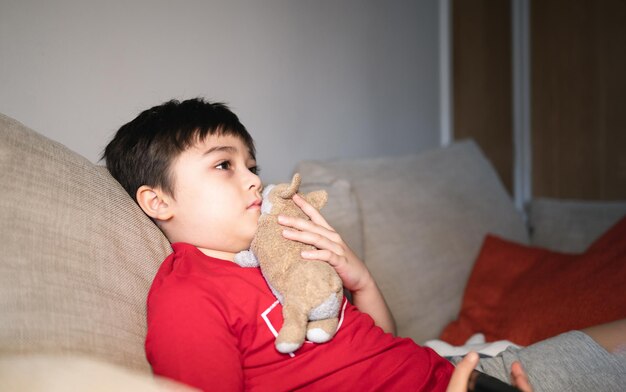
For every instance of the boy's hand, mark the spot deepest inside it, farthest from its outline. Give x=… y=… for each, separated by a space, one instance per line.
x=331 y=248
x=519 y=377
x=460 y=377
x=461 y=374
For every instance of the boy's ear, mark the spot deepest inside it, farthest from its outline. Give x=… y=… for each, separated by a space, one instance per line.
x=154 y=202
x=317 y=199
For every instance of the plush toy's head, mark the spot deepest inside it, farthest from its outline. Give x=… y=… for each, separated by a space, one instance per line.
x=277 y=199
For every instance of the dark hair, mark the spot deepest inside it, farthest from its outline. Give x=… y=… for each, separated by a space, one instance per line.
x=142 y=150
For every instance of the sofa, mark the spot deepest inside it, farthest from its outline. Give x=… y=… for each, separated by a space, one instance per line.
x=78 y=255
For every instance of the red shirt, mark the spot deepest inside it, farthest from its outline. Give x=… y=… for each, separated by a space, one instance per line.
x=212 y=325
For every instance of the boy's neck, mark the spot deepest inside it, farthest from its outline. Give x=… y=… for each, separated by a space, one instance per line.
x=217 y=254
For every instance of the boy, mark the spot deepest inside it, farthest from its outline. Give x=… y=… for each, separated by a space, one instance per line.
x=191 y=167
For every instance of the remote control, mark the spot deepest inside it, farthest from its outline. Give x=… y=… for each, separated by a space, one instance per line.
x=481 y=382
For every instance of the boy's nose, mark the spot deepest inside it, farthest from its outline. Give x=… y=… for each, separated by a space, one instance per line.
x=255 y=181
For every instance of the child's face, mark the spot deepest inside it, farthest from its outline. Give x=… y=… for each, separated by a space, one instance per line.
x=216 y=201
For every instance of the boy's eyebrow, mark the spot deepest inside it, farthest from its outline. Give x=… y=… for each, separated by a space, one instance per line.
x=230 y=149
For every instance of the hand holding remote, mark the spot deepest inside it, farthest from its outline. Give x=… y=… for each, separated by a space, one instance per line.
x=465 y=378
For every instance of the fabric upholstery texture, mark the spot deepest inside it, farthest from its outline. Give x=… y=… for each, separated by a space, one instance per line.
x=526 y=294
x=424 y=217
x=571 y=225
x=78 y=254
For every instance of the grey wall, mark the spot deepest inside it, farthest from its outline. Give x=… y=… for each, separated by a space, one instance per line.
x=320 y=79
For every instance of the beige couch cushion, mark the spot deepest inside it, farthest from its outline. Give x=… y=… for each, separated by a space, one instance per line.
x=78 y=254
x=424 y=219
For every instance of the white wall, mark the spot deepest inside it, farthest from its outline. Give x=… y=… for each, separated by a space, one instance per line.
x=310 y=79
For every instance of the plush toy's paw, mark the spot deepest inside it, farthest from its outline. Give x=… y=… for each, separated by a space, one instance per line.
x=287 y=348
x=318 y=335
x=246 y=259
x=292 y=334
x=321 y=331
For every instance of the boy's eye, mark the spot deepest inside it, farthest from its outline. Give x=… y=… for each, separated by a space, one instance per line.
x=255 y=170
x=223 y=165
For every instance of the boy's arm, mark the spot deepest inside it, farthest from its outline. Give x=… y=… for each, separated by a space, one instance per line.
x=332 y=249
x=369 y=299
x=189 y=341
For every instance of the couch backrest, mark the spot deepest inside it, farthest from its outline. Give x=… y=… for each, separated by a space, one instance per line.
x=423 y=218
x=78 y=255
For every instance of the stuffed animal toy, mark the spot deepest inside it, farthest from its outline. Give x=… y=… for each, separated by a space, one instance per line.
x=310 y=291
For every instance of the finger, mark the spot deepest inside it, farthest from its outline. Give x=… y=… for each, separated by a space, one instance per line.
x=310 y=211
x=460 y=376
x=310 y=226
x=322 y=255
x=317 y=240
x=519 y=377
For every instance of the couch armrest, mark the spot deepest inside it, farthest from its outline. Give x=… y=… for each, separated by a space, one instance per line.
x=50 y=373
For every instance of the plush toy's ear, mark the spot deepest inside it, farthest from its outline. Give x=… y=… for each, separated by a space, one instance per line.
x=317 y=199
x=293 y=187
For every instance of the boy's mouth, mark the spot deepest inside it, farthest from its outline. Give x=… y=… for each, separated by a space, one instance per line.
x=255 y=204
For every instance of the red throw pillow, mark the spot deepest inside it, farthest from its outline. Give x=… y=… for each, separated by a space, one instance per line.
x=526 y=294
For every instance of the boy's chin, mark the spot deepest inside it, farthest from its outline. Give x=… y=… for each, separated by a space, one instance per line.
x=247 y=245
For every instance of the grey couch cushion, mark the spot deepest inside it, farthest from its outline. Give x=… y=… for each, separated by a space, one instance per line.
x=78 y=254
x=571 y=225
x=424 y=218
